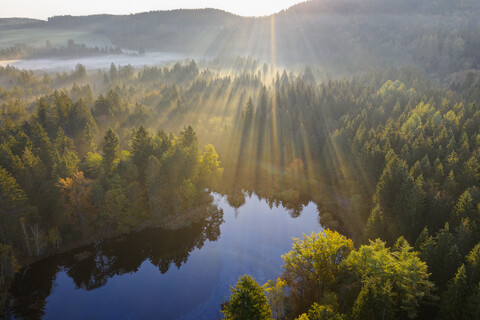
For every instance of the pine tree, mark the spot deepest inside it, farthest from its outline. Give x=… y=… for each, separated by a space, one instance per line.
x=110 y=150
x=455 y=296
x=142 y=148
x=13 y=203
x=247 y=302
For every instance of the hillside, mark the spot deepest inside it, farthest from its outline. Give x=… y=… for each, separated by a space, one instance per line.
x=441 y=36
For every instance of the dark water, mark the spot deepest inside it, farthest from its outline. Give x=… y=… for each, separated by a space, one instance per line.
x=162 y=274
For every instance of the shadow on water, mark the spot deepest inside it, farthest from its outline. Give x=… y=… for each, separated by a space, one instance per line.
x=145 y=275
x=91 y=267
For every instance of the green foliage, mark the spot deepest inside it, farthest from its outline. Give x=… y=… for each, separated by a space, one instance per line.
x=188 y=137
x=441 y=255
x=66 y=158
x=374 y=301
x=314 y=266
x=11 y=195
x=13 y=204
x=92 y=165
x=321 y=312
x=8 y=263
x=210 y=171
x=455 y=296
x=247 y=301
x=394 y=283
x=396 y=198
x=110 y=150
x=325 y=274
x=460 y=299
x=384 y=154
x=277 y=296
x=375 y=227
x=142 y=148
x=188 y=193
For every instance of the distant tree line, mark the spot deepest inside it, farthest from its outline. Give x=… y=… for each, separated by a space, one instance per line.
x=24 y=51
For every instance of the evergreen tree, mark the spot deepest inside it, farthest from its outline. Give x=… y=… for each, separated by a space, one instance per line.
x=142 y=148
x=110 y=150
x=13 y=204
x=247 y=301
x=454 y=299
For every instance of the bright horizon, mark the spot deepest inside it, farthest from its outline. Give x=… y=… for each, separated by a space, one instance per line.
x=43 y=9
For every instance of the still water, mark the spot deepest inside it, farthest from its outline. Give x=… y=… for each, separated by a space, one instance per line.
x=164 y=274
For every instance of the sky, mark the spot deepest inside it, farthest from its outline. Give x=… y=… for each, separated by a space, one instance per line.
x=42 y=9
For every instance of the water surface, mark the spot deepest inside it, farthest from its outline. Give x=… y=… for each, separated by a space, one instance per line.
x=164 y=274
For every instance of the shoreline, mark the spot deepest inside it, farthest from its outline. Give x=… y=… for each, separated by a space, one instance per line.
x=171 y=222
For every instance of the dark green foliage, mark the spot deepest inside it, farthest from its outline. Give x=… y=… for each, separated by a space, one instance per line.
x=374 y=302
x=13 y=204
x=142 y=149
x=442 y=256
x=110 y=150
x=455 y=297
x=66 y=158
x=383 y=154
x=247 y=301
x=188 y=137
x=460 y=300
x=396 y=200
x=376 y=227
x=66 y=192
x=394 y=282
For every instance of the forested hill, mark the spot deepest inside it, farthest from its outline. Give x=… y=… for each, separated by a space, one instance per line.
x=345 y=35
x=15 y=22
x=387 y=6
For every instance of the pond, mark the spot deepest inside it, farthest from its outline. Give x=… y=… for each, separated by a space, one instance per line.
x=164 y=274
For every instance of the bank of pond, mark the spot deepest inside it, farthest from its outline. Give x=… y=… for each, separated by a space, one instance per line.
x=159 y=273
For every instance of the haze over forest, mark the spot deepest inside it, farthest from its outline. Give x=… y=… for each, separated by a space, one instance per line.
x=168 y=153
x=432 y=35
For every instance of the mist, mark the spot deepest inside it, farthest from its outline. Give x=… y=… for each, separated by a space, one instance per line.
x=94 y=62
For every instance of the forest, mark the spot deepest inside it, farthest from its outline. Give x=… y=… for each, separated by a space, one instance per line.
x=22 y=50
x=390 y=158
x=439 y=36
x=387 y=148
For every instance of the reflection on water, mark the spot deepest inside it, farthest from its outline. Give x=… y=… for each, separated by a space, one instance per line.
x=163 y=274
